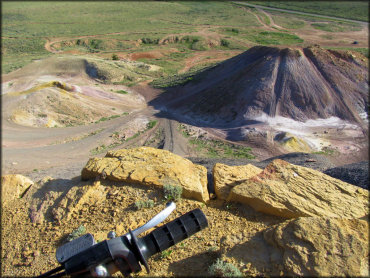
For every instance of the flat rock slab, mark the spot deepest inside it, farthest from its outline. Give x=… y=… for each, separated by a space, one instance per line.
x=290 y=191
x=150 y=166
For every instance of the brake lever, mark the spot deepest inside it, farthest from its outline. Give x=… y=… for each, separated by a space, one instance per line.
x=102 y=271
x=157 y=219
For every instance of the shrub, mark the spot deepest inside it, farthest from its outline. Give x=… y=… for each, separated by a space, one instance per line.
x=166 y=253
x=225 y=43
x=151 y=124
x=150 y=41
x=144 y=204
x=76 y=233
x=115 y=57
x=172 y=192
x=123 y=92
x=224 y=269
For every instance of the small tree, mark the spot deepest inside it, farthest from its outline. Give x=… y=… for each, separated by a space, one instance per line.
x=115 y=57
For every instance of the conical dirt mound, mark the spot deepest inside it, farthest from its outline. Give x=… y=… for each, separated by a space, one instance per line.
x=300 y=84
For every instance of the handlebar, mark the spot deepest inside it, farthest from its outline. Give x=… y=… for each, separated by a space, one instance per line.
x=127 y=253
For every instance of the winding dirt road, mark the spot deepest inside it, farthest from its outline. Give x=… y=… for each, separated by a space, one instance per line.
x=62 y=152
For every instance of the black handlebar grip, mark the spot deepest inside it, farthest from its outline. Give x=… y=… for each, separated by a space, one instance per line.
x=173 y=232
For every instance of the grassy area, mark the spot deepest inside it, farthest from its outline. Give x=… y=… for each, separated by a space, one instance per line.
x=356 y=10
x=327 y=151
x=220 y=149
x=336 y=27
x=17 y=53
x=264 y=37
x=117 y=25
x=290 y=22
x=273 y=38
x=215 y=148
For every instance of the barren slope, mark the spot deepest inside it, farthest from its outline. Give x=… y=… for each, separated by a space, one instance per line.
x=70 y=91
x=300 y=84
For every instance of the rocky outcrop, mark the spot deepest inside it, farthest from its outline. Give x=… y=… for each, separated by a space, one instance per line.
x=76 y=197
x=150 y=166
x=314 y=246
x=291 y=191
x=226 y=177
x=13 y=187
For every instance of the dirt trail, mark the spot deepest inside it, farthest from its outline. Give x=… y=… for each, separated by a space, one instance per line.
x=272 y=23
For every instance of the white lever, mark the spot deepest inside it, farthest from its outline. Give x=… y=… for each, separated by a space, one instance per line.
x=160 y=217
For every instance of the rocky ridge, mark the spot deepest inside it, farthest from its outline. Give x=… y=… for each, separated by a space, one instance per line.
x=320 y=238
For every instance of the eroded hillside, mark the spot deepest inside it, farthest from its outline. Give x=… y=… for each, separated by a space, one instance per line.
x=300 y=84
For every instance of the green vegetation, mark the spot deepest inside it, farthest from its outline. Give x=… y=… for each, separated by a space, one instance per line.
x=81 y=230
x=22 y=42
x=288 y=22
x=264 y=18
x=115 y=57
x=357 y=10
x=274 y=38
x=144 y=204
x=215 y=148
x=151 y=124
x=123 y=92
x=166 y=253
x=16 y=53
x=337 y=27
x=103 y=119
x=326 y=151
x=224 y=269
x=172 y=192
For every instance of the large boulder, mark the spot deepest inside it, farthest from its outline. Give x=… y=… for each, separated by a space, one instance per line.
x=305 y=246
x=226 y=177
x=315 y=246
x=287 y=190
x=150 y=166
x=13 y=187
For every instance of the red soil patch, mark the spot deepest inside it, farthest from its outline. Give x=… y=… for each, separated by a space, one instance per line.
x=146 y=55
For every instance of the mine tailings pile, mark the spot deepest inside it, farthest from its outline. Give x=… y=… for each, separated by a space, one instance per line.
x=300 y=84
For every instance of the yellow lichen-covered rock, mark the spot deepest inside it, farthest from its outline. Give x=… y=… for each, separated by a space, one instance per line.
x=287 y=190
x=150 y=166
x=226 y=177
x=315 y=246
x=14 y=186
